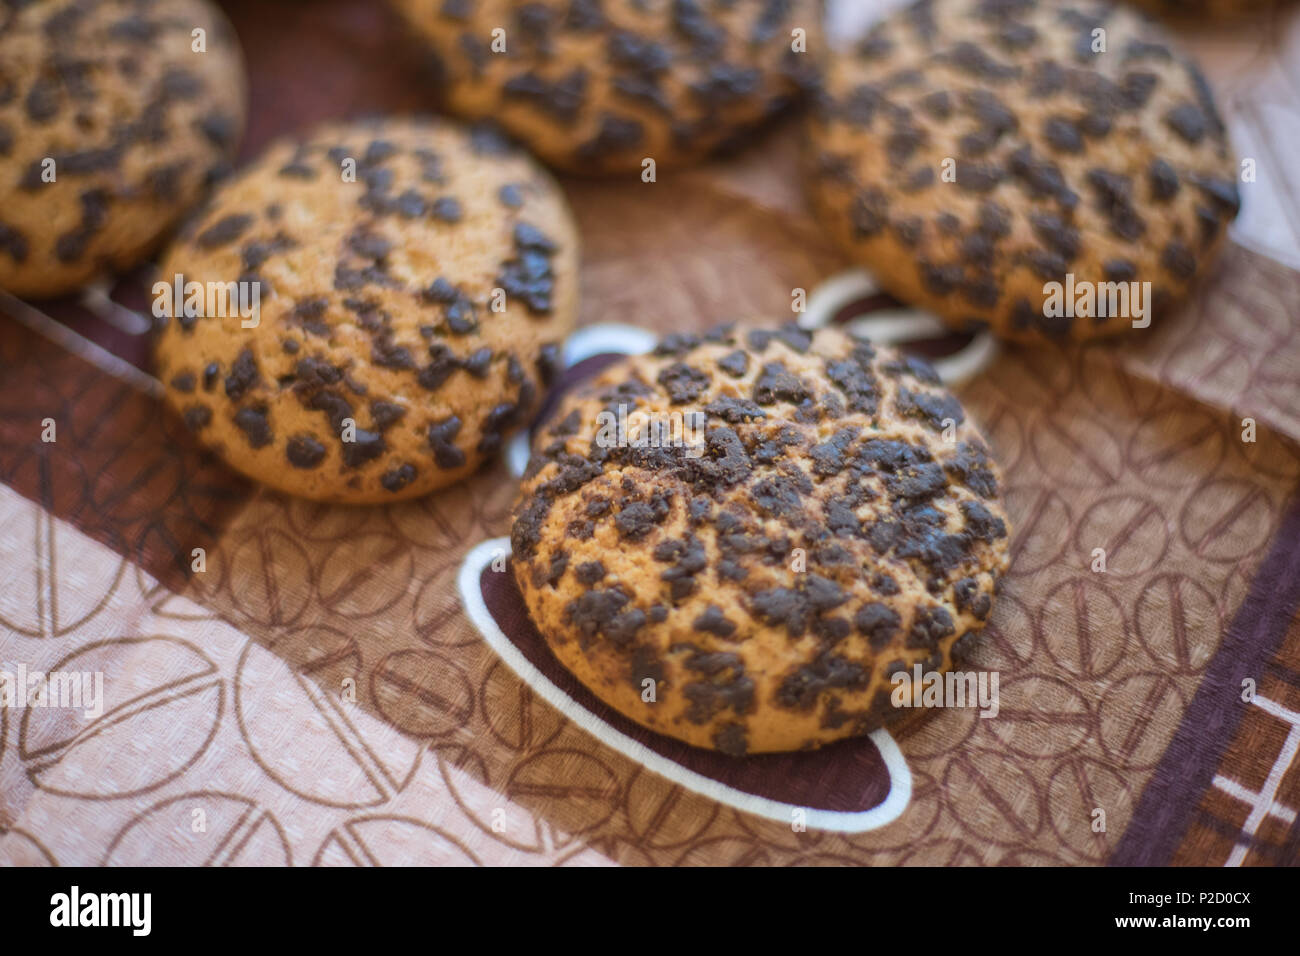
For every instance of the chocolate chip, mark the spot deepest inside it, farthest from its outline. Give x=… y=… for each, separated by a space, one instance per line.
x=616 y=134
x=972 y=58
x=197 y=417
x=734 y=410
x=447 y=209
x=801 y=689
x=968 y=596
x=478 y=364
x=1119 y=270
x=735 y=364
x=1056 y=234
x=243 y=375
x=635 y=520
x=1222 y=191
x=714 y=621
x=1188 y=122
x=378 y=151
x=561 y=98
x=385 y=414
x=365 y=446
x=1138 y=88
x=1178 y=260
x=304 y=451
x=979 y=177
x=683 y=383
x=929 y=626
x=777 y=383
x=13 y=243
x=367 y=245
x=936 y=410
x=253 y=423
x=219 y=129
x=796 y=339
x=395 y=479
x=440 y=436
x=224 y=231
x=43 y=99
x=878 y=622
x=529 y=275
x=510 y=196
x=1163 y=180
x=938 y=104
x=1062 y=135
x=549 y=362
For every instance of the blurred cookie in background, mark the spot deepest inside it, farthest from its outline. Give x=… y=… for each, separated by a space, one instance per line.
x=1043 y=168
x=598 y=86
x=363 y=315
x=115 y=116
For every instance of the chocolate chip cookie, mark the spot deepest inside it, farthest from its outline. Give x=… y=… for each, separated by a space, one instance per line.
x=597 y=86
x=1001 y=163
x=115 y=116
x=414 y=282
x=783 y=521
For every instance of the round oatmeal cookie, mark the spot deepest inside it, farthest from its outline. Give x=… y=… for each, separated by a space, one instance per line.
x=987 y=165
x=597 y=86
x=415 y=281
x=781 y=523
x=112 y=124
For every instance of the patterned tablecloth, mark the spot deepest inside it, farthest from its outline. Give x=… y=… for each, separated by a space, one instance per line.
x=351 y=686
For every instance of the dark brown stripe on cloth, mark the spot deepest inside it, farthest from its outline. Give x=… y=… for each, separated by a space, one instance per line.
x=120 y=470
x=1166 y=808
x=847 y=776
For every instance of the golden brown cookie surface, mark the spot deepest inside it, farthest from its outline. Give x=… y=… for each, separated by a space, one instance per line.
x=815 y=515
x=971 y=153
x=596 y=86
x=112 y=123
x=415 y=281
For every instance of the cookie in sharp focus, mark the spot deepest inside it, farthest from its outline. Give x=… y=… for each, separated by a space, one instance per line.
x=812 y=515
x=972 y=153
x=112 y=124
x=415 y=283
x=596 y=86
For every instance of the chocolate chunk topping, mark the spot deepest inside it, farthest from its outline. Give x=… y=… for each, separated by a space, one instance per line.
x=304 y=451
x=529 y=275
x=441 y=435
x=224 y=231
x=197 y=417
x=714 y=621
x=683 y=383
x=776 y=383
x=243 y=375
x=255 y=426
x=1188 y=122
x=395 y=479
